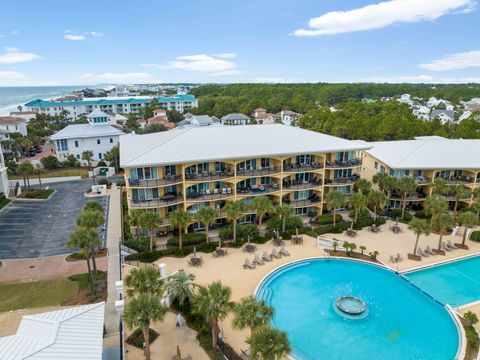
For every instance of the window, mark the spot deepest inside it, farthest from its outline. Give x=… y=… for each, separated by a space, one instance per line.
x=111 y=140
x=382 y=169
x=99 y=155
x=76 y=143
x=62 y=145
x=145 y=173
x=376 y=165
x=170 y=170
x=98 y=141
x=78 y=156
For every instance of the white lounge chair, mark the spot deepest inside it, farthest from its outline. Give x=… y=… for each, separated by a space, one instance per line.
x=429 y=250
x=284 y=251
x=275 y=254
x=266 y=257
x=422 y=253
x=444 y=247
x=257 y=260
x=451 y=246
x=248 y=264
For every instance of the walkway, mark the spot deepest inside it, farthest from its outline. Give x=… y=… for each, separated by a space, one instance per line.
x=114 y=233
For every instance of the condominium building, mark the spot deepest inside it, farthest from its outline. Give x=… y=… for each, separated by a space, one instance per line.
x=425 y=158
x=205 y=166
x=118 y=105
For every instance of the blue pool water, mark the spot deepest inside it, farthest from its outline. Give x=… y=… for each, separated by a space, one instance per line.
x=402 y=322
x=456 y=283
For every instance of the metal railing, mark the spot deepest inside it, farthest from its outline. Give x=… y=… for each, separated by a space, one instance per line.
x=309 y=185
x=256 y=191
x=170 y=179
x=259 y=172
x=303 y=203
x=302 y=167
x=156 y=202
x=341 y=181
x=209 y=176
x=343 y=164
x=212 y=196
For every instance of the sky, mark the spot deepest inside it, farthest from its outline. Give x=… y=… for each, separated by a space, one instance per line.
x=218 y=41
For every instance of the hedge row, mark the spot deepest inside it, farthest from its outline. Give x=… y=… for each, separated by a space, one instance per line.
x=325 y=219
x=475 y=236
x=149 y=257
x=188 y=239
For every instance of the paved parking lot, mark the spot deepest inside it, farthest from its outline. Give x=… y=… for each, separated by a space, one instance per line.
x=31 y=229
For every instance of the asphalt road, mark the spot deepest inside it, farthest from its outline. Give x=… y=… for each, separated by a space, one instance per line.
x=32 y=229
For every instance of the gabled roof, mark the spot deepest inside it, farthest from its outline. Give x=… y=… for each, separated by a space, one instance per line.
x=435 y=113
x=7 y=120
x=428 y=153
x=97 y=113
x=231 y=117
x=207 y=143
x=85 y=131
x=73 y=333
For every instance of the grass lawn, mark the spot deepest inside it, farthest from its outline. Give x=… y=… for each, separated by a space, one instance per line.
x=83 y=172
x=36 y=194
x=36 y=294
x=4 y=202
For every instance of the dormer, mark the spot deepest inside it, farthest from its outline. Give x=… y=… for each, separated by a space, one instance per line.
x=98 y=117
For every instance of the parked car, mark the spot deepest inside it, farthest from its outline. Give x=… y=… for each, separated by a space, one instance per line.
x=38 y=149
x=31 y=152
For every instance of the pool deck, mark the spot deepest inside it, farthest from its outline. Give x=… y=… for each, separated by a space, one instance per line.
x=229 y=269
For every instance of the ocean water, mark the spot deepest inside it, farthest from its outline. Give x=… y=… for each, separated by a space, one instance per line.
x=12 y=97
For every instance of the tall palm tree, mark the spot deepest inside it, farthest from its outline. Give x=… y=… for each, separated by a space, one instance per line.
x=441 y=222
x=150 y=221
x=363 y=186
x=143 y=281
x=91 y=219
x=134 y=220
x=405 y=186
x=433 y=205
x=179 y=219
x=207 y=216
x=93 y=205
x=180 y=287
x=283 y=212
x=250 y=313
x=459 y=192
x=26 y=169
x=385 y=182
x=140 y=312
x=234 y=210
x=335 y=199
x=376 y=199
x=467 y=219
x=269 y=343
x=439 y=186
x=214 y=303
x=39 y=172
x=419 y=227
x=358 y=202
x=87 y=155
x=83 y=238
x=262 y=205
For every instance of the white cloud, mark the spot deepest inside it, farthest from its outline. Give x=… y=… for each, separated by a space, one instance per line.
x=14 y=78
x=417 y=79
x=454 y=61
x=11 y=75
x=215 y=65
x=119 y=78
x=380 y=15
x=14 y=56
x=73 y=37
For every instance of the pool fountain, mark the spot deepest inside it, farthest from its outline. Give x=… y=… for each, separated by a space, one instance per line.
x=350 y=305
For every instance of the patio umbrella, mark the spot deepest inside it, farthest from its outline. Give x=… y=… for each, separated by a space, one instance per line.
x=179 y=354
x=194 y=251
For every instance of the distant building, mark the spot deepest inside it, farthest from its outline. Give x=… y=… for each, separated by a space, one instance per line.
x=4 y=185
x=119 y=91
x=465 y=115
x=263 y=117
x=235 y=119
x=13 y=124
x=118 y=105
x=434 y=102
x=98 y=135
x=444 y=115
x=198 y=120
x=406 y=99
x=160 y=117
x=288 y=117
x=27 y=115
x=472 y=105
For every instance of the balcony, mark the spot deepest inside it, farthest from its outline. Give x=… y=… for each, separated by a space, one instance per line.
x=258 y=172
x=416 y=196
x=165 y=200
x=459 y=180
x=169 y=179
x=257 y=190
x=210 y=195
x=312 y=201
x=343 y=164
x=341 y=181
x=293 y=185
x=209 y=176
x=299 y=167
x=422 y=180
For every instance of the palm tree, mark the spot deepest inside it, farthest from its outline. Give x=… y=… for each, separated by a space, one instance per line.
x=140 y=312
x=283 y=212
x=134 y=220
x=93 y=205
x=262 y=205
x=214 y=303
x=179 y=286
x=91 y=219
x=440 y=223
x=419 y=227
x=83 y=238
x=26 y=169
x=179 y=219
x=468 y=220
x=405 y=186
x=250 y=313
x=433 y=205
x=439 y=186
x=358 y=202
x=207 y=216
x=363 y=186
x=385 y=182
x=39 y=172
x=459 y=192
x=269 y=343
x=234 y=210
x=150 y=221
x=87 y=155
x=143 y=281
x=335 y=199
x=376 y=199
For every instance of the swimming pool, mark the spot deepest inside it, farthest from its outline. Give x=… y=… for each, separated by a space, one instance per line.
x=455 y=283
x=401 y=322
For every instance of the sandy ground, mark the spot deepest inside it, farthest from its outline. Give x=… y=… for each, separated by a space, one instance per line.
x=243 y=282
x=165 y=346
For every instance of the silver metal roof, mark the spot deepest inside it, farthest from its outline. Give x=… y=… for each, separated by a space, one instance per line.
x=86 y=131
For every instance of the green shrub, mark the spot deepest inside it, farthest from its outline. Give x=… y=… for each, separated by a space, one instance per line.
x=421 y=214
x=475 y=235
x=287 y=235
x=120 y=182
x=141 y=244
x=380 y=221
x=291 y=223
x=269 y=236
x=50 y=162
x=101 y=163
x=327 y=219
x=243 y=231
x=136 y=338
x=407 y=216
x=102 y=181
x=361 y=214
x=395 y=213
x=363 y=222
x=188 y=239
x=472 y=337
x=204 y=337
x=259 y=240
x=149 y=257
